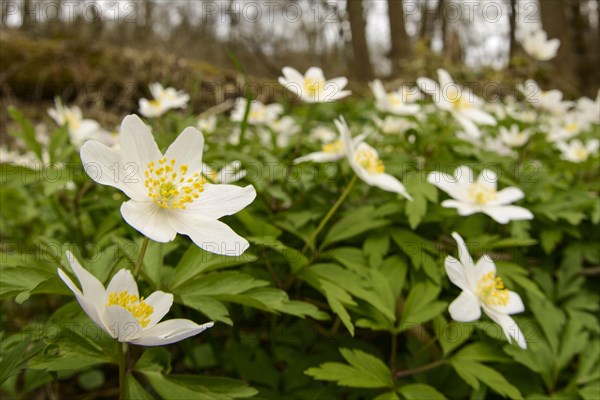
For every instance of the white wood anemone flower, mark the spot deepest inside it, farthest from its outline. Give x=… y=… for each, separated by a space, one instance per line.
x=332 y=151
x=547 y=100
x=513 y=136
x=259 y=114
x=164 y=99
x=576 y=152
x=80 y=129
x=168 y=193
x=366 y=164
x=230 y=173
x=207 y=124
x=120 y=311
x=481 y=289
x=470 y=196
x=399 y=102
x=312 y=87
x=464 y=106
x=536 y=44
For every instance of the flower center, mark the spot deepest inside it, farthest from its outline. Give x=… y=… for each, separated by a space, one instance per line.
x=171 y=188
x=336 y=147
x=140 y=310
x=368 y=158
x=581 y=154
x=394 y=99
x=572 y=127
x=72 y=121
x=481 y=194
x=457 y=99
x=313 y=86
x=491 y=290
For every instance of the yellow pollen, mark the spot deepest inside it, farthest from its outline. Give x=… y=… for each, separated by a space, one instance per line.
x=491 y=290
x=482 y=194
x=333 y=147
x=394 y=99
x=572 y=128
x=367 y=158
x=171 y=187
x=140 y=310
x=581 y=154
x=459 y=101
x=313 y=86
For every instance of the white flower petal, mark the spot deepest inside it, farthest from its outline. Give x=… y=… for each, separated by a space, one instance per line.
x=161 y=303
x=293 y=75
x=429 y=86
x=122 y=325
x=315 y=73
x=187 y=149
x=508 y=325
x=464 y=209
x=387 y=182
x=484 y=266
x=209 y=234
x=479 y=116
x=217 y=201
x=514 y=306
x=488 y=179
x=465 y=308
x=445 y=79
x=170 y=331
x=104 y=165
x=149 y=219
x=319 y=157
x=463 y=252
x=509 y=195
x=137 y=144
x=90 y=306
x=470 y=128
x=456 y=273
x=90 y=285
x=447 y=183
x=123 y=281
x=505 y=214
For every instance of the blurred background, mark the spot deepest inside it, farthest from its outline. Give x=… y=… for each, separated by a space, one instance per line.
x=102 y=54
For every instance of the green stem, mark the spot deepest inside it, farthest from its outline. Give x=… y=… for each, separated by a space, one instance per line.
x=418 y=370
x=121 y=354
x=138 y=265
x=393 y=351
x=338 y=203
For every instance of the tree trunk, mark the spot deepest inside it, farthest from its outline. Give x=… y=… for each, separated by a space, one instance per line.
x=556 y=25
x=362 y=61
x=25 y=13
x=400 y=42
x=513 y=28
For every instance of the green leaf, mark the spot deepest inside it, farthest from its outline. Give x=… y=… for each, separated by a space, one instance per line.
x=419 y=391
x=27 y=133
x=135 y=391
x=484 y=352
x=355 y=223
x=294 y=258
x=257 y=226
x=198 y=387
x=154 y=359
x=421 y=305
x=421 y=191
x=11 y=360
x=472 y=372
x=196 y=261
x=364 y=371
x=549 y=238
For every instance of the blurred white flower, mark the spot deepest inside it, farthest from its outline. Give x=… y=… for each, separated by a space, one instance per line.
x=497 y=146
x=80 y=129
x=589 y=109
x=312 y=87
x=393 y=125
x=230 y=173
x=164 y=100
x=259 y=114
x=207 y=124
x=284 y=128
x=366 y=164
x=332 y=151
x=551 y=100
x=460 y=102
x=470 y=195
x=481 y=289
x=399 y=102
x=537 y=45
x=168 y=194
x=514 y=137
x=123 y=314
x=323 y=134
x=575 y=151
x=566 y=127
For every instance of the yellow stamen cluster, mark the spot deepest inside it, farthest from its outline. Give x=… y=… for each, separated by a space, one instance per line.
x=170 y=187
x=367 y=158
x=140 y=310
x=491 y=290
x=457 y=98
x=313 y=86
x=482 y=194
x=581 y=154
x=333 y=147
x=572 y=127
x=394 y=99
